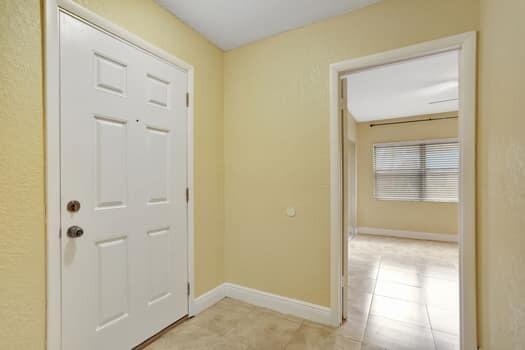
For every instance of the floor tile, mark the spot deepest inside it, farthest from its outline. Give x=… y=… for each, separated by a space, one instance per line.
x=356 y=255
x=444 y=320
x=187 y=336
x=400 y=291
x=354 y=325
x=233 y=304
x=441 y=293
x=446 y=341
x=362 y=270
x=361 y=285
x=359 y=301
x=264 y=329
x=392 y=335
x=224 y=316
x=400 y=310
x=401 y=262
x=439 y=270
x=317 y=337
x=396 y=275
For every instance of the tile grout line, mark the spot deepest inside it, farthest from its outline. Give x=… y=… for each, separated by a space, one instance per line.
x=431 y=327
x=372 y=300
x=408 y=323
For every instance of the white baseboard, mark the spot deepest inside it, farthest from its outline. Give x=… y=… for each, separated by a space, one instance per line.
x=294 y=307
x=442 y=237
x=206 y=300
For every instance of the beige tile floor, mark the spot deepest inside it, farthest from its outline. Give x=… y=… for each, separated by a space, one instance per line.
x=407 y=290
x=402 y=295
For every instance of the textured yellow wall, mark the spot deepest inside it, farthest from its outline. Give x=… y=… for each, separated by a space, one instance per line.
x=276 y=138
x=501 y=175
x=22 y=230
x=431 y=217
x=22 y=235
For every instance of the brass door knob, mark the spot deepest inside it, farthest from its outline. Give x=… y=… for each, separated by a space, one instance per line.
x=73 y=206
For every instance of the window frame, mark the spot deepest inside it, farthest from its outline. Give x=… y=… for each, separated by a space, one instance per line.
x=412 y=143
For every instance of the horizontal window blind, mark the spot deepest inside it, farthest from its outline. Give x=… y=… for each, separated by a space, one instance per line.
x=422 y=171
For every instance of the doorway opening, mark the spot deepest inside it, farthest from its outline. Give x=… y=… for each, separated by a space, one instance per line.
x=403 y=195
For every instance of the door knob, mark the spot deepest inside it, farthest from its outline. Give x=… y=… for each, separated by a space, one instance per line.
x=75 y=231
x=73 y=206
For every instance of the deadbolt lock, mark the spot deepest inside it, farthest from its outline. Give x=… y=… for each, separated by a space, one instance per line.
x=75 y=232
x=73 y=206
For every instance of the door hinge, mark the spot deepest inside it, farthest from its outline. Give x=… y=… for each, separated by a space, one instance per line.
x=188 y=288
x=187 y=99
x=60 y=232
x=187 y=195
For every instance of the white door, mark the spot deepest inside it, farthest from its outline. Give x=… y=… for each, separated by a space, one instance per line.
x=123 y=158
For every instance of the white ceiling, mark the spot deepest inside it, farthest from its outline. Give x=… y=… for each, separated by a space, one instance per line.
x=233 y=23
x=404 y=89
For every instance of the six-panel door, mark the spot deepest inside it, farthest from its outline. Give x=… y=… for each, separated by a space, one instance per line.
x=123 y=158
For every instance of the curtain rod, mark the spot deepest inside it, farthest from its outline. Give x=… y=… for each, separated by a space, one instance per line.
x=413 y=121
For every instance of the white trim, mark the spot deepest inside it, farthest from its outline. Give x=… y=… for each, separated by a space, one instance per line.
x=336 y=200
x=351 y=230
x=52 y=164
x=52 y=151
x=191 y=199
x=466 y=43
x=429 y=236
x=284 y=305
x=294 y=307
x=117 y=31
x=467 y=192
x=208 y=299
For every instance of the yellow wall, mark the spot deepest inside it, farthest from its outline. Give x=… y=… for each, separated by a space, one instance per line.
x=22 y=231
x=430 y=217
x=276 y=137
x=501 y=175
x=22 y=235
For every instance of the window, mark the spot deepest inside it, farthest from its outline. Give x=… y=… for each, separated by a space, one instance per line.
x=419 y=171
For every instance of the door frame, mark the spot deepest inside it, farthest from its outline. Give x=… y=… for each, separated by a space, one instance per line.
x=52 y=150
x=466 y=44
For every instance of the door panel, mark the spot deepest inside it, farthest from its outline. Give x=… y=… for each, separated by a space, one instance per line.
x=157 y=148
x=158 y=91
x=110 y=75
x=159 y=247
x=112 y=293
x=111 y=180
x=123 y=157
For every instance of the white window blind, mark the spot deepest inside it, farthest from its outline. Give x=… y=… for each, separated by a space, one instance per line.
x=419 y=171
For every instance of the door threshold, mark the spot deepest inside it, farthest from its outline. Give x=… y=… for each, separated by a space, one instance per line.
x=156 y=336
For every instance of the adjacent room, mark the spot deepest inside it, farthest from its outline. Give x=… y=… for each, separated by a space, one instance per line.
x=402 y=171
x=262 y=175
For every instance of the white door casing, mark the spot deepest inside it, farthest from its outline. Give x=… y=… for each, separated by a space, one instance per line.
x=466 y=43
x=124 y=158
